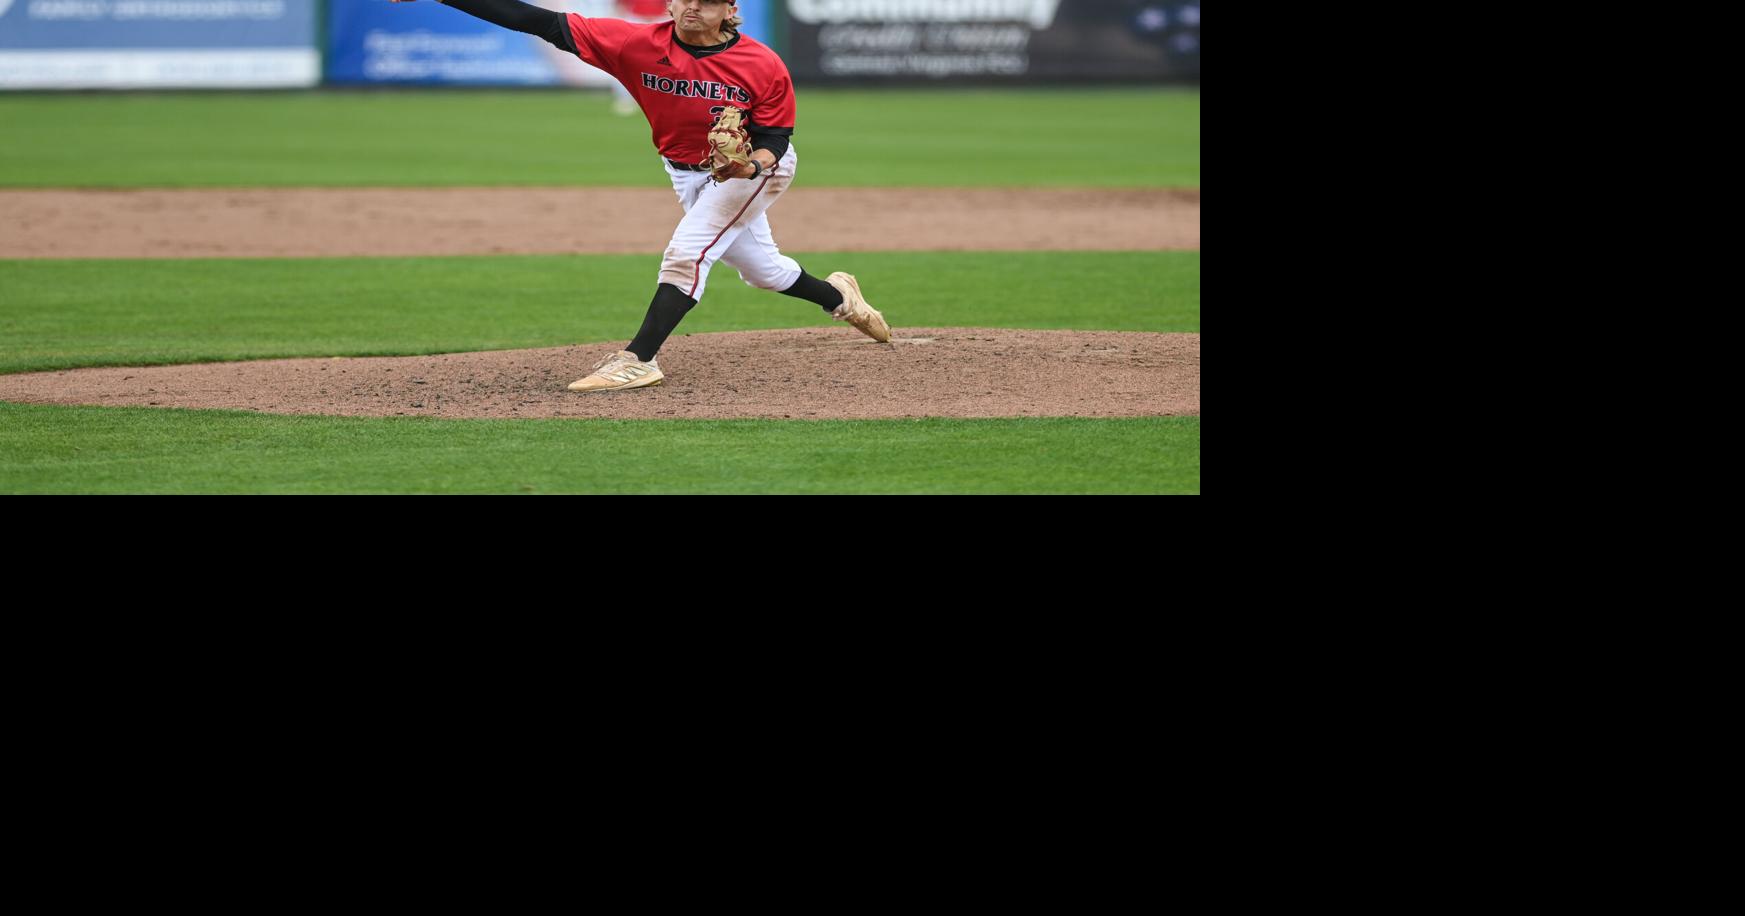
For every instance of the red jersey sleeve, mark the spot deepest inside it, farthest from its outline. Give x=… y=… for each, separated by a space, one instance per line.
x=600 y=42
x=775 y=105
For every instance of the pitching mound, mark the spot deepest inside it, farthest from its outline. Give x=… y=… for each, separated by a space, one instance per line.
x=806 y=374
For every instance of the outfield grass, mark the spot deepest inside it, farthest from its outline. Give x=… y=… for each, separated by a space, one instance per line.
x=144 y=450
x=1128 y=137
x=66 y=314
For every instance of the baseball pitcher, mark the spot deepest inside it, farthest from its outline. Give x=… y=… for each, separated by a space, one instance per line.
x=721 y=107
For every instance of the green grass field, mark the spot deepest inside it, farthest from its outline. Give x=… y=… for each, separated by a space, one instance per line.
x=148 y=450
x=1108 y=138
x=65 y=314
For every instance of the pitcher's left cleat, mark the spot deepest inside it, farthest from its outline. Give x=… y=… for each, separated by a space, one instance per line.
x=620 y=372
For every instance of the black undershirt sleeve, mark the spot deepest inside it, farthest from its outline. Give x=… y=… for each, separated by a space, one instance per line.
x=521 y=17
x=774 y=139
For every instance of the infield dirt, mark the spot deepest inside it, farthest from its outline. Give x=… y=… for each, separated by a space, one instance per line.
x=382 y=222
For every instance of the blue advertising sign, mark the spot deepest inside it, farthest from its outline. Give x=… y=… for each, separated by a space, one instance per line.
x=374 y=41
x=71 y=44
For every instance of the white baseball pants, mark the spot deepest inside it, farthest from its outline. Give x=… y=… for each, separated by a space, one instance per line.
x=726 y=222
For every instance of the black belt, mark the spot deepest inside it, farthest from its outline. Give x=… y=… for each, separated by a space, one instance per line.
x=687 y=167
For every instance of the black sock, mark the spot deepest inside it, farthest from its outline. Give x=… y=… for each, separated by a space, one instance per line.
x=664 y=314
x=812 y=289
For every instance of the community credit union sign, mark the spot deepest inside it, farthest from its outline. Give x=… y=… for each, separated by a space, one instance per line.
x=929 y=39
x=989 y=42
x=1038 y=13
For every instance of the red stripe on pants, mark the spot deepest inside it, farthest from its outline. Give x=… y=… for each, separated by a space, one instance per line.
x=697 y=271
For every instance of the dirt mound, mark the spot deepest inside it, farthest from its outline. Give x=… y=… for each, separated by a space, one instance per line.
x=805 y=374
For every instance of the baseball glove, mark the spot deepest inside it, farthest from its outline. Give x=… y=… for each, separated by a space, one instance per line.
x=729 y=145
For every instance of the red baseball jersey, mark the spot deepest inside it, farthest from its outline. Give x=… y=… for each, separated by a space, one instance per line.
x=681 y=94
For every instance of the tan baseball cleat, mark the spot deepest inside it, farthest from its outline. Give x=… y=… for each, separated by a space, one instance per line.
x=854 y=309
x=620 y=372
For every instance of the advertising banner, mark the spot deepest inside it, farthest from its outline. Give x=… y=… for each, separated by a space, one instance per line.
x=123 y=44
x=374 y=41
x=993 y=41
